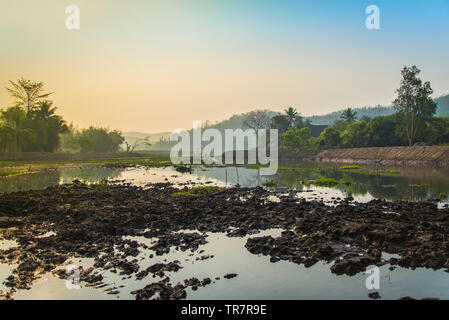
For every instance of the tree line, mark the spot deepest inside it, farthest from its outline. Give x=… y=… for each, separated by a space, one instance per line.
x=32 y=125
x=414 y=121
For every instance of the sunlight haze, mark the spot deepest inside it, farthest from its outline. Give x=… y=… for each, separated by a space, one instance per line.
x=154 y=66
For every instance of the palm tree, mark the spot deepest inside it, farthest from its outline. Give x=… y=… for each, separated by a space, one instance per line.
x=349 y=115
x=27 y=93
x=292 y=114
x=15 y=129
x=47 y=125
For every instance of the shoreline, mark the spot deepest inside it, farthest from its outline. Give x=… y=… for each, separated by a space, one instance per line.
x=416 y=156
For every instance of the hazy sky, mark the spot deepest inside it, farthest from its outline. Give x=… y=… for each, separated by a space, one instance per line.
x=154 y=66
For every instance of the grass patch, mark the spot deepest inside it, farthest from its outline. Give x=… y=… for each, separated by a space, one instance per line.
x=352 y=167
x=147 y=161
x=197 y=191
x=256 y=166
x=12 y=173
x=270 y=184
x=325 y=182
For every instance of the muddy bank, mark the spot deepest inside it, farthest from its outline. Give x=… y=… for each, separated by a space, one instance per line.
x=416 y=156
x=91 y=221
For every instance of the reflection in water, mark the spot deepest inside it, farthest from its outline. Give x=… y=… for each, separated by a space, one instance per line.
x=257 y=278
x=410 y=184
x=281 y=280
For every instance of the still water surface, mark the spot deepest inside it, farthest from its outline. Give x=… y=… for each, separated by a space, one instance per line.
x=257 y=278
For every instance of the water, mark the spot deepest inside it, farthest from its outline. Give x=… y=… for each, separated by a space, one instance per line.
x=409 y=184
x=257 y=278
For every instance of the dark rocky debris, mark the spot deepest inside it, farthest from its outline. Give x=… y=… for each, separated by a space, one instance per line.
x=91 y=220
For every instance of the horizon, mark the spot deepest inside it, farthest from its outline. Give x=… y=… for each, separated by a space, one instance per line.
x=153 y=67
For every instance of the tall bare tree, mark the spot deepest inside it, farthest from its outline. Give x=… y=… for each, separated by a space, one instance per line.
x=27 y=93
x=258 y=119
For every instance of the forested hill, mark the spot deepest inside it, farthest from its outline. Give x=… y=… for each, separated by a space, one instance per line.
x=443 y=105
x=159 y=141
x=329 y=119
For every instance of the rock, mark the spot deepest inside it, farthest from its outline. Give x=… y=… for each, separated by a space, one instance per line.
x=374 y=295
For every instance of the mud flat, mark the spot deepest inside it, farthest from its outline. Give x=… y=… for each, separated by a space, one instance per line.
x=416 y=156
x=92 y=221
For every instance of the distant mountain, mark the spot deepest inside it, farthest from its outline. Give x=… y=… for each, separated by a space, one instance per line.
x=330 y=118
x=153 y=138
x=443 y=105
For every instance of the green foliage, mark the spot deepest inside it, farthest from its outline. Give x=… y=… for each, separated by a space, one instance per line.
x=355 y=135
x=385 y=131
x=340 y=125
x=94 y=139
x=256 y=166
x=291 y=114
x=325 y=182
x=27 y=93
x=33 y=126
x=297 y=139
x=12 y=173
x=414 y=102
x=37 y=130
x=153 y=161
x=351 y=167
x=349 y=115
x=329 y=139
x=270 y=184
x=200 y=191
x=281 y=123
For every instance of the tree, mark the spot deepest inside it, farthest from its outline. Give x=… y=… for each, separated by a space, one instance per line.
x=355 y=135
x=47 y=126
x=329 y=138
x=16 y=134
x=292 y=115
x=27 y=93
x=413 y=102
x=258 y=119
x=99 y=140
x=130 y=147
x=281 y=123
x=441 y=126
x=349 y=115
x=382 y=132
x=340 y=125
x=297 y=138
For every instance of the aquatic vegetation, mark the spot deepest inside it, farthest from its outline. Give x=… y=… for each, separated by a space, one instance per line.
x=256 y=166
x=349 y=167
x=325 y=182
x=270 y=184
x=198 y=191
x=443 y=195
x=12 y=173
x=154 y=161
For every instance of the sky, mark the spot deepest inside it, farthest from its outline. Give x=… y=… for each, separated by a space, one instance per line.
x=153 y=66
